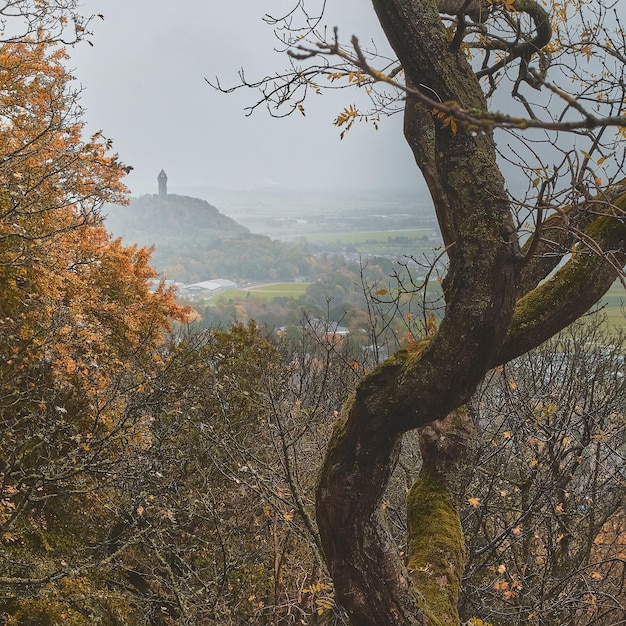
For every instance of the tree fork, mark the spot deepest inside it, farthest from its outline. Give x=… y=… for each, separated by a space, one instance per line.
x=423 y=386
x=426 y=383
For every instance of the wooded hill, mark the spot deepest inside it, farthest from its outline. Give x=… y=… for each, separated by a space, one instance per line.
x=193 y=241
x=154 y=219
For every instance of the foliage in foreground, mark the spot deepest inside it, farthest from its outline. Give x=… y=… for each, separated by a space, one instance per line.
x=204 y=515
x=150 y=478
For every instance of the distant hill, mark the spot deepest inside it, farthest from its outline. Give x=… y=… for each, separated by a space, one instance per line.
x=157 y=220
x=193 y=241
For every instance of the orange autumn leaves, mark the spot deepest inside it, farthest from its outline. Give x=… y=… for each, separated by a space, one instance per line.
x=46 y=166
x=70 y=296
x=81 y=323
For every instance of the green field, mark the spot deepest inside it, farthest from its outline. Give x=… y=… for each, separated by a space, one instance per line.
x=268 y=292
x=614 y=302
x=357 y=237
x=376 y=242
x=616 y=295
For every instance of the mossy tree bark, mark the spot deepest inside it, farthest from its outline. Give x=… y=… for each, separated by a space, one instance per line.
x=495 y=310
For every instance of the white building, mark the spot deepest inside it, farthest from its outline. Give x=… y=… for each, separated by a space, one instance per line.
x=205 y=289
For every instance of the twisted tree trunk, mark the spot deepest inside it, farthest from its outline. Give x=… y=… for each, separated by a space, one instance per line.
x=494 y=311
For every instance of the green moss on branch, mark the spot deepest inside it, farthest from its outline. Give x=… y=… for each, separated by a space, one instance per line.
x=572 y=291
x=436 y=548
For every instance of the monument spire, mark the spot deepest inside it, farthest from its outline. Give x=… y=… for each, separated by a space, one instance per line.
x=162 y=183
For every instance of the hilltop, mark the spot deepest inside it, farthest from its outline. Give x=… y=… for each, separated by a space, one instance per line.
x=193 y=241
x=163 y=219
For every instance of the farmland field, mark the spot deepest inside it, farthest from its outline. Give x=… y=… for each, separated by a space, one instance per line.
x=269 y=292
x=615 y=296
x=614 y=303
x=397 y=243
x=367 y=236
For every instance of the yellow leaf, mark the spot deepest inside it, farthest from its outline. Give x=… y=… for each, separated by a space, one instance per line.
x=325 y=603
x=475 y=502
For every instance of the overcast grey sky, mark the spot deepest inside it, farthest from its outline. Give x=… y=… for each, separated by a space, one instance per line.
x=144 y=81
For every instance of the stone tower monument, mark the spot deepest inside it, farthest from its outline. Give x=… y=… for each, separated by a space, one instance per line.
x=162 y=183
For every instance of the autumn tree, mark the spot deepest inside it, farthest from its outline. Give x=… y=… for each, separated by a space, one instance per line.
x=520 y=266
x=81 y=325
x=216 y=525
x=44 y=21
